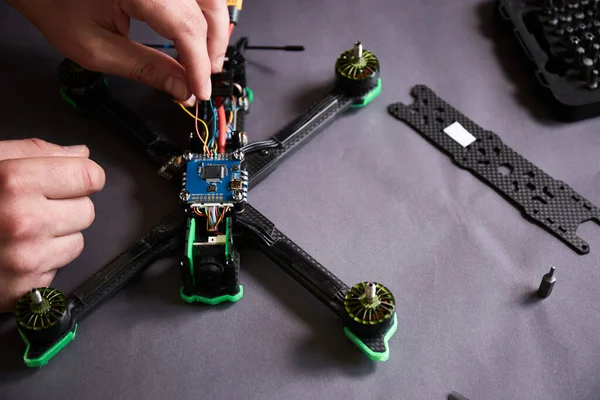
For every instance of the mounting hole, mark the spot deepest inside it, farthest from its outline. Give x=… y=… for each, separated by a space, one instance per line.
x=425 y=101
x=584 y=247
x=490 y=137
x=562 y=188
x=505 y=169
x=440 y=110
x=440 y=120
x=535 y=211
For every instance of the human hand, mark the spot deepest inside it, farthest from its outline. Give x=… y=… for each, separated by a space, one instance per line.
x=43 y=209
x=94 y=34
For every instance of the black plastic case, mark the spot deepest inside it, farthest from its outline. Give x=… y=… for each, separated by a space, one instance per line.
x=560 y=83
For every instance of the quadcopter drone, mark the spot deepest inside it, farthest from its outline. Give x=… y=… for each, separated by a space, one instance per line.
x=215 y=218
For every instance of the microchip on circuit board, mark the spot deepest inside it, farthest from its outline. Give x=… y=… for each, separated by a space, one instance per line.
x=212 y=180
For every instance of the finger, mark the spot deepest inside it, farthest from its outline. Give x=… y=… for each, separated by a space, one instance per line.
x=61 y=251
x=183 y=22
x=39 y=148
x=53 y=177
x=132 y=60
x=13 y=287
x=67 y=216
x=34 y=218
x=217 y=18
x=26 y=258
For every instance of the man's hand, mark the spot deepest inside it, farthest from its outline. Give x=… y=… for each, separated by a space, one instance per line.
x=94 y=34
x=43 y=209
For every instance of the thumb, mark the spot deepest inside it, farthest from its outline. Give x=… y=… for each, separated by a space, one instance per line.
x=117 y=55
x=34 y=147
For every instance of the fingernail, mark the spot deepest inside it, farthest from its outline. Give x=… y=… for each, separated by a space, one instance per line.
x=191 y=102
x=177 y=87
x=207 y=90
x=77 y=149
x=219 y=63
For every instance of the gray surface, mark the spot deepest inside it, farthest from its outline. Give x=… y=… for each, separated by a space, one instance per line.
x=369 y=198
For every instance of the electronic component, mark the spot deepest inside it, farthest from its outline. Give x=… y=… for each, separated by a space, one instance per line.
x=547 y=284
x=211 y=172
x=236 y=184
x=208 y=180
x=549 y=202
x=555 y=39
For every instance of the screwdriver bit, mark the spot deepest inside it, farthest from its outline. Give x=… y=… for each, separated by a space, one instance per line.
x=595 y=52
x=579 y=56
x=593 y=82
x=587 y=66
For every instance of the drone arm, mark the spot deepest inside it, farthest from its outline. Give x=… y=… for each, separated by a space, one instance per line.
x=313 y=276
x=261 y=163
x=160 y=149
x=162 y=239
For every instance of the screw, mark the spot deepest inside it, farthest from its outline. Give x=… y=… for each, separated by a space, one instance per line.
x=184 y=195
x=243 y=138
x=238 y=155
x=238 y=196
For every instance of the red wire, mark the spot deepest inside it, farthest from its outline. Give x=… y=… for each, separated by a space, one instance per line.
x=231 y=26
x=222 y=129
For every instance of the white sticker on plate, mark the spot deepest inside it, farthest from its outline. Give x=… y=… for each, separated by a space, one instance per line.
x=460 y=135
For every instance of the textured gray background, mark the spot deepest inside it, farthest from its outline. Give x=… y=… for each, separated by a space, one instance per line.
x=369 y=198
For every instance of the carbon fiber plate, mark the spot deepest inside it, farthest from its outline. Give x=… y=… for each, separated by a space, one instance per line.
x=543 y=199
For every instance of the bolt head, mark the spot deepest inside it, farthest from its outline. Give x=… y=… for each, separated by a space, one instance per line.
x=238 y=155
x=184 y=195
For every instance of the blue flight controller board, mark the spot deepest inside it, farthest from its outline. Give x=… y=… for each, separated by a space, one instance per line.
x=213 y=180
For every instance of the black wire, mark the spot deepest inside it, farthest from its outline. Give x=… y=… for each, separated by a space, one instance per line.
x=263 y=144
x=258 y=231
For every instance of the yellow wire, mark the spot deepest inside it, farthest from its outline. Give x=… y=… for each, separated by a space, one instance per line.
x=193 y=116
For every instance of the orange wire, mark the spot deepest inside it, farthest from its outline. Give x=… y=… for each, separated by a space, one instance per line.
x=206 y=150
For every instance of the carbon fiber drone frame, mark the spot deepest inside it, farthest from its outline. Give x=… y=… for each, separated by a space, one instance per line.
x=91 y=96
